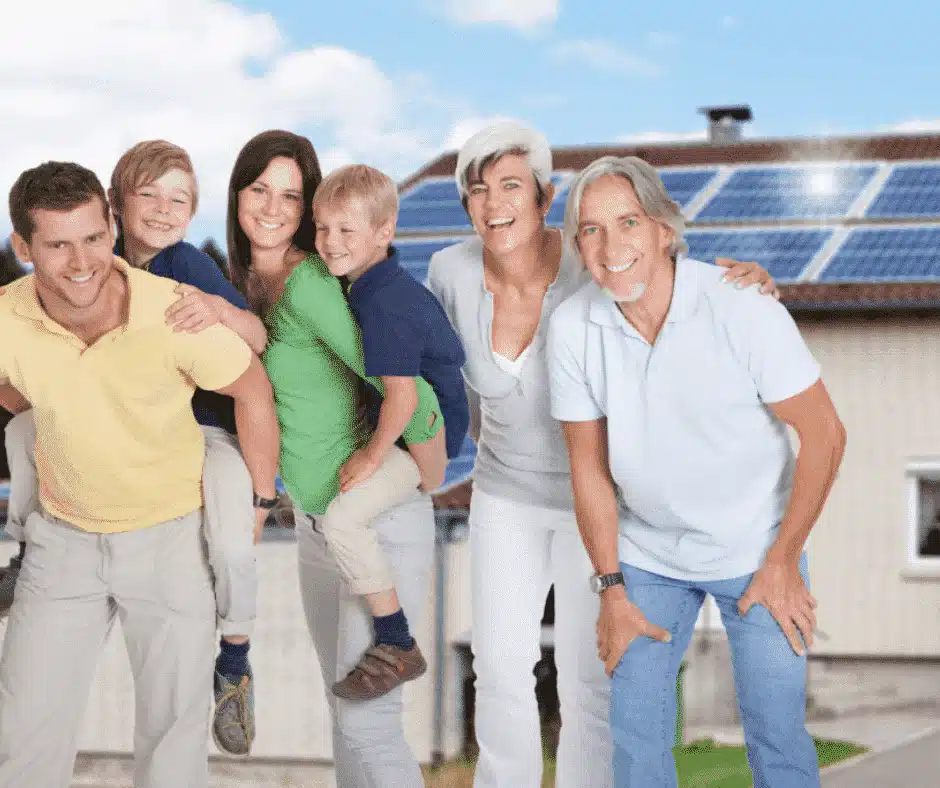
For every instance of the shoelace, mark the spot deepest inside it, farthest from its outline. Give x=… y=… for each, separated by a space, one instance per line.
x=239 y=692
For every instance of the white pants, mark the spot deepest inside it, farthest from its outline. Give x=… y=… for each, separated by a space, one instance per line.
x=229 y=518
x=369 y=747
x=71 y=586
x=517 y=552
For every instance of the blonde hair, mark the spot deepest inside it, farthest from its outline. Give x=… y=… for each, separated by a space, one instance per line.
x=144 y=163
x=373 y=189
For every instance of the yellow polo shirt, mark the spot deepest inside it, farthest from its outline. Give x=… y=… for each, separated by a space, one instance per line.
x=117 y=446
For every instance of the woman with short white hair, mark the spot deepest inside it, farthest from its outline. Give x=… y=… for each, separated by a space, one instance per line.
x=499 y=290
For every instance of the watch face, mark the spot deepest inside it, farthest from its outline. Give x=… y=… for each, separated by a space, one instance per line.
x=596 y=584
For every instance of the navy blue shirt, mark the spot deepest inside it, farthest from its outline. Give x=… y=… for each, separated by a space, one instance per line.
x=188 y=265
x=406 y=333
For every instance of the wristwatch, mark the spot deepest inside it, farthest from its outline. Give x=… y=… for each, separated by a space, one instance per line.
x=264 y=503
x=601 y=582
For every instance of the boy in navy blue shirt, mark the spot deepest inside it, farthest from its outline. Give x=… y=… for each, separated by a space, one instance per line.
x=153 y=198
x=405 y=334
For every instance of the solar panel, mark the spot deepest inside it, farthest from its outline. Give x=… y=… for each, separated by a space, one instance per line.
x=684 y=185
x=876 y=254
x=808 y=192
x=785 y=253
x=415 y=256
x=909 y=192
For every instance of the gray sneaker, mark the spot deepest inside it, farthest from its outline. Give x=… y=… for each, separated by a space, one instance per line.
x=8 y=577
x=233 y=725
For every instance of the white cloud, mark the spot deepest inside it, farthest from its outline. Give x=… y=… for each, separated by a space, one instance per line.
x=915 y=126
x=464 y=129
x=604 y=56
x=663 y=137
x=85 y=81
x=521 y=14
x=729 y=22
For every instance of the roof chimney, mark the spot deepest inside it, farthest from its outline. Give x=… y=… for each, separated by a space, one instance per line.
x=724 y=123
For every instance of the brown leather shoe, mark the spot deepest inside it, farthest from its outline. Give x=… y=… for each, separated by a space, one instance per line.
x=381 y=669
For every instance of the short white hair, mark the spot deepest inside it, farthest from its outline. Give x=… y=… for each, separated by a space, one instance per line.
x=650 y=191
x=497 y=140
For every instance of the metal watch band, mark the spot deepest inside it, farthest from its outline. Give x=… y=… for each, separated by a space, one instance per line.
x=602 y=582
x=264 y=503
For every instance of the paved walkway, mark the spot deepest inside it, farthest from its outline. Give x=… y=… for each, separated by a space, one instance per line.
x=912 y=765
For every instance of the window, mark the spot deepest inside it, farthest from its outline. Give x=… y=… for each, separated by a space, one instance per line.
x=923 y=537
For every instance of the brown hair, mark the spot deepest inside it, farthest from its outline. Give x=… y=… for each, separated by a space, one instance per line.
x=373 y=189
x=144 y=163
x=252 y=160
x=52 y=186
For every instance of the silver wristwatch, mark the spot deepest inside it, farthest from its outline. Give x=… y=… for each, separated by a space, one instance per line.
x=601 y=582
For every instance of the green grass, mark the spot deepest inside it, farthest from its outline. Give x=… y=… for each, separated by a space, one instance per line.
x=701 y=764
x=704 y=764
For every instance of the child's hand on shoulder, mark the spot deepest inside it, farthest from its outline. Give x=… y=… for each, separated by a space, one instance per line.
x=359 y=467
x=194 y=311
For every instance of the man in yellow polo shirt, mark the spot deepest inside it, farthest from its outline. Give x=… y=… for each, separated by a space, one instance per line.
x=119 y=458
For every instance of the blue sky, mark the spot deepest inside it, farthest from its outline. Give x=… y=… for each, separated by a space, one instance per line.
x=396 y=83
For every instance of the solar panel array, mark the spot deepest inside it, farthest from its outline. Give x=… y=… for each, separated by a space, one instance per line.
x=886 y=254
x=785 y=253
x=809 y=192
x=911 y=191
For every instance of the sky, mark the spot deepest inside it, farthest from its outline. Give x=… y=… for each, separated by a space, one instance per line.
x=394 y=83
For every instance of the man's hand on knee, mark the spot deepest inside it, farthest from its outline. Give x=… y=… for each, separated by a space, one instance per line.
x=619 y=624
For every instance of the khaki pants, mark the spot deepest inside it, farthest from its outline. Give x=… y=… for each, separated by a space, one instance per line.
x=71 y=587
x=348 y=522
x=229 y=518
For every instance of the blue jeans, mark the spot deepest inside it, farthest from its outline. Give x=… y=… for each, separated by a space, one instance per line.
x=770 y=680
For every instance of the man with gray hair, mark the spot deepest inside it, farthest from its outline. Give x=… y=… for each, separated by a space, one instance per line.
x=675 y=394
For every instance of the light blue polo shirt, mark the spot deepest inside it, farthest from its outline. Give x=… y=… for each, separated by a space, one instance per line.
x=703 y=467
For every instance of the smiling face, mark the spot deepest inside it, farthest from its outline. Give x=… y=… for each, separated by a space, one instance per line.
x=270 y=208
x=157 y=214
x=503 y=204
x=621 y=246
x=348 y=239
x=71 y=253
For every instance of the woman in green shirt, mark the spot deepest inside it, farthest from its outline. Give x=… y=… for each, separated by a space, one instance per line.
x=314 y=360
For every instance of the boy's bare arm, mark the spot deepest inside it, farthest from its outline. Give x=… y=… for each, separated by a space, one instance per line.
x=398 y=406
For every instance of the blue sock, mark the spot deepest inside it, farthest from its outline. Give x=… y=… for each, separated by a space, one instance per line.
x=232 y=661
x=393 y=630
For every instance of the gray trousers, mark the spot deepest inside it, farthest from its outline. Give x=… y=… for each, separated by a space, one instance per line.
x=369 y=747
x=229 y=519
x=71 y=587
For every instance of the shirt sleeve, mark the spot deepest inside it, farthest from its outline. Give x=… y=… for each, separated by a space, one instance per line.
x=318 y=305
x=769 y=343
x=212 y=358
x=571 y=395
x=200 y=270
x=391 y=343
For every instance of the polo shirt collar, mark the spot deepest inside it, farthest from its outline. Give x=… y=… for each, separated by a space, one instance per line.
x=685 y=290
x=28 y=305
x=379 y=273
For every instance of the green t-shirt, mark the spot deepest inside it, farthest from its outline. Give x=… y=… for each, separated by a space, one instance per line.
x=313 y=359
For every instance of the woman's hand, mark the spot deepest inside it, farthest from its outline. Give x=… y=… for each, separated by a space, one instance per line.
x=747 y=274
